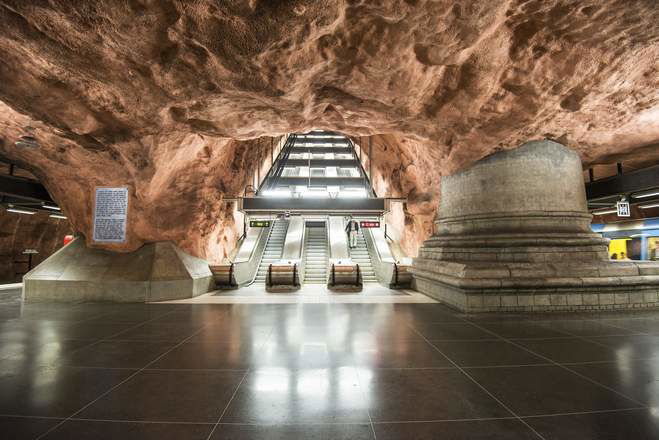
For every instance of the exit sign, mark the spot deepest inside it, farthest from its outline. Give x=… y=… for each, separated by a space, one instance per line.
x=259 y=223
x=369 y=224
x=623 y=209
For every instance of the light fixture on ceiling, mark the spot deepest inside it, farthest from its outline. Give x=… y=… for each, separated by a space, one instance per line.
x=604 y=211
x=649 y=205
x=643 y=194
x=54 y=208
x=21 y=211
x=27 y=141
x=63 y=217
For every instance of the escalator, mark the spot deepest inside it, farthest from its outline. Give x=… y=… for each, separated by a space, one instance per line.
x=315 y=254
x=273 y=249
x=360 y=255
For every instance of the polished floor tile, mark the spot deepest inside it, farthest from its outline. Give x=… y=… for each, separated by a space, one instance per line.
x=98 y=430
x=568 y=350
x=161 y=332
x=54 y=391
x=587 y=328
x=210 y=355
x=456 y=430
x=36 y=352
x=168 y=396
x=547 y=390
x=302 y=355
x=323 y=371
x=23 y=428
x=486 y=353
x=521 y=329
x=418 y=395
x=631 y=347
x=232 y=332
x=641 y=325
x=452 y=331
x=117 y=354
x=335 y=431
x=638 y=379
x=637 y=425
x=402 y=354
x=279 y=395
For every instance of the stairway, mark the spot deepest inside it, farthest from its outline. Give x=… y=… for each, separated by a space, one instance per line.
x=315 y=255
x=360 y=255
x=273 y=249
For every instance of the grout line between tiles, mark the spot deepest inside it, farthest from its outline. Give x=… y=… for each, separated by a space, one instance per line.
x=117 y=385
x=560 y=365
x=482 y=387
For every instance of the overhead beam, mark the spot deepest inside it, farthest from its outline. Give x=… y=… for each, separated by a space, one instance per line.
x=320 y=181
x=25 y=189
x=350 y=206
x=337 y=149
x=322 y=162
x=634 y=181
x=303 y=140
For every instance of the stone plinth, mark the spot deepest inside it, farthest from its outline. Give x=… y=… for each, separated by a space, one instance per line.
x=513 y=234
x=155 y=272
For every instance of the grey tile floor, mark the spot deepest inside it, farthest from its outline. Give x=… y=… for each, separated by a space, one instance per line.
x=323 y=371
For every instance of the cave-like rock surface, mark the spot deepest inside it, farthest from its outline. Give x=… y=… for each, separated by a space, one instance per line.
x=179 y=100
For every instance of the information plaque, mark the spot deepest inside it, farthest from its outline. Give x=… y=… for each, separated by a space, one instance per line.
x=110 y=214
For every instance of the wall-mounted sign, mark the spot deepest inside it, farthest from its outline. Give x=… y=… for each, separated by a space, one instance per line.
x=110 y=214
x=623 y=209
x=369 y=224
x=259 y=223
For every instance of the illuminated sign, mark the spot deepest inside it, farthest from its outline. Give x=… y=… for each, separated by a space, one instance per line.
x=259 y=223
x=369 y=224
x=623 y=209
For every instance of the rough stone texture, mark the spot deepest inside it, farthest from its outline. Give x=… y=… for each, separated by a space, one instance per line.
x=149 y=94
x=20 y=232
x=401 y=167
x=155 y=272
x=516 y=224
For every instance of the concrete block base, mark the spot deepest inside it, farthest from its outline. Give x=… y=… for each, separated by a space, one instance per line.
x=513 y=235
x=566 y=290
x=155 y=272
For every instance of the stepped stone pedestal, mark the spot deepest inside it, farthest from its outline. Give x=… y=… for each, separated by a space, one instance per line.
x=513 y=234
x=155 y=272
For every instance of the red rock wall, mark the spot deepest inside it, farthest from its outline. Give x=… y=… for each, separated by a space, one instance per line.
x=151 y=94
x=403 y=168
x=19 y=232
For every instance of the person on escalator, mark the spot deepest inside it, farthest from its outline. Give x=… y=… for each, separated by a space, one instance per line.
x=352 y=228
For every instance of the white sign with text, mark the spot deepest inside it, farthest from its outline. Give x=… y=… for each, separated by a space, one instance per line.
x=110 y=214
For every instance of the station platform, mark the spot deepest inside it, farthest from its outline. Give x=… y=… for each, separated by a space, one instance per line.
x=310 y=293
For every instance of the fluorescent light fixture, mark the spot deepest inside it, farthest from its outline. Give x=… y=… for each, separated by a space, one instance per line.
x=350 y=193
x=650 y=193
x=57 y=216
x=277 y=193
x=27 y=141
x=54 y=208
x=649 y=205
x=315 y=194
x=604 y=211
x=21 y=211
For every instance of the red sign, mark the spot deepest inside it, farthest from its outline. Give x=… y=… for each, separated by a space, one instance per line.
x=369 y=224
x=68 y=239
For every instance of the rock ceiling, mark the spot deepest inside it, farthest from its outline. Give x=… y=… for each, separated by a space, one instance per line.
x=176 y=98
